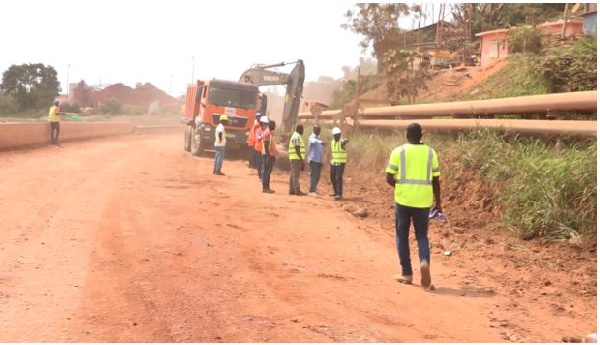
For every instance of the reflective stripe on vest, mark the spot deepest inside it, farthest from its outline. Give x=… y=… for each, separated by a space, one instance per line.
x=404 y=180
x=338 y=154
x=292 y=148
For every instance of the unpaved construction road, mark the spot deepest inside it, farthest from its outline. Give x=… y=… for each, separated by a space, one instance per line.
x=131 y=239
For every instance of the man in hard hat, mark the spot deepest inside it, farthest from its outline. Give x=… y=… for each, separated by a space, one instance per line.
x=414 y=172
x=220 y=141
x=54 y=119
x=315 y=159
x=268 y=156
x=251 y=141
x=296 y=153
x=339 y=157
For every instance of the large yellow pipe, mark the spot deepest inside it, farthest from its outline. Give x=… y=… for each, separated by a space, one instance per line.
x=557 y=102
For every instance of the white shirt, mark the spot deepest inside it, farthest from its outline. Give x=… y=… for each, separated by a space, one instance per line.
x=220 y=129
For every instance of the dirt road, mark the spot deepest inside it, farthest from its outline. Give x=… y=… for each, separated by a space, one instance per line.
x=131 y=239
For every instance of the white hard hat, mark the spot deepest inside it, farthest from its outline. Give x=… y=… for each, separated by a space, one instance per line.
x=336 y=130
x=264 y=119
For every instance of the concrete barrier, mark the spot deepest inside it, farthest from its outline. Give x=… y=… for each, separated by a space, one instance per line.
x=18 y=134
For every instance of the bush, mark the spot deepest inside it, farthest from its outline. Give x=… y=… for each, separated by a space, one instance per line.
x=111 y=107
x=8 y=105
x=524 y=40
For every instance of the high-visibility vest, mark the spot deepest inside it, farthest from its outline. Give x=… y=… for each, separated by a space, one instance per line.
x=258 y=146
x=272 y=148
x=292 y=148
x=338 y=154
x=252 y=135
x=52 y=114
x=414 y=166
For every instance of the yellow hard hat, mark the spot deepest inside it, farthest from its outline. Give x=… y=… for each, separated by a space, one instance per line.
x=223 y=118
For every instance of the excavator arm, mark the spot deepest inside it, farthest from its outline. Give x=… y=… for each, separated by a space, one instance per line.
x=260 y=75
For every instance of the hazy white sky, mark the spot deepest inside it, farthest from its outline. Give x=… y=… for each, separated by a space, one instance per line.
x=163 y=42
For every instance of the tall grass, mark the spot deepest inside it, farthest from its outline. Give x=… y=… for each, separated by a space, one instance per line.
x=545 y=188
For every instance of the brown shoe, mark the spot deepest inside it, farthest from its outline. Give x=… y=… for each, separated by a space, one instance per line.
x=425 y=274
x=403 y=279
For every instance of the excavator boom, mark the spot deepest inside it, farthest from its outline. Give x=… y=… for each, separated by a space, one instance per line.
x=259 y=75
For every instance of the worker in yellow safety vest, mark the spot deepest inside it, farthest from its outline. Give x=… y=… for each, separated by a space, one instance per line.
x=414 y=172
x=296 y=154
x=339 y=158
x=54 y=119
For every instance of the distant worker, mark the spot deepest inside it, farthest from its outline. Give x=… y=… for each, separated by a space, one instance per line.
x=296 y=153
x=315 y=159
x=414 y=172
x=268 y=156
x=252 y=159
x=339 y=157
x=258 y=145
x=220 y=141
x=54 y=118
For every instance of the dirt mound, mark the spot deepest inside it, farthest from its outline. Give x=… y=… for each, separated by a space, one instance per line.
x=142 y=96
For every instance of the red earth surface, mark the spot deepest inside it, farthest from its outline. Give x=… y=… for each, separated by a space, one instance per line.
x=131 y=239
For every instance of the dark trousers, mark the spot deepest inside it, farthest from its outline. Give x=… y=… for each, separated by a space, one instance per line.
x=54 y=132
x=251 y=157
x=315 y=175
x=336 y=174
x=420 y=220
x=258 y=163
x=267 y=168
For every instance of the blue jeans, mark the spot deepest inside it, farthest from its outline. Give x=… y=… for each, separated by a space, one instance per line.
x=258 y=163
x=420 y=219
x=267 y=168
x=219 y=156
x=315 y=175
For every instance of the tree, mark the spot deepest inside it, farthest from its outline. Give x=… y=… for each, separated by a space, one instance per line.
x=82 y=94
x=406 y=75
x=378 y=24
x=33 y=86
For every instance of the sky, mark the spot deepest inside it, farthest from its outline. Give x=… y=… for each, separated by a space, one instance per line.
x=167 y=43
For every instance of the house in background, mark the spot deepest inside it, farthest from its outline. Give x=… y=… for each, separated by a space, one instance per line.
x=493 y=46
x=589 y=19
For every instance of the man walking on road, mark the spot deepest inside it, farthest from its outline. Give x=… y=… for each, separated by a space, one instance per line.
x=339 y=157
x=220 y=141
x=296 y=153
x=268 y=157
x=54 y=119
x=413 y=170
x=315 y=159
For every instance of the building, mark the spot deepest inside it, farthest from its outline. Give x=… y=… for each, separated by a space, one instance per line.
x=493 y=46
x=574 y=27
x=589 y=19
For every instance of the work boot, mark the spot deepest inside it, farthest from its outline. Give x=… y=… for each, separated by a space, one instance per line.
x=300 y=194
x=425 y=274
x=269 y=191
x=403 y=279
x=219 y=173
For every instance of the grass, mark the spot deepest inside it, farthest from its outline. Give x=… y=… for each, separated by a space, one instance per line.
x=546 y=189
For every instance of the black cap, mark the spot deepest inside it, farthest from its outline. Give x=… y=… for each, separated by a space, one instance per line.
x=414 y=129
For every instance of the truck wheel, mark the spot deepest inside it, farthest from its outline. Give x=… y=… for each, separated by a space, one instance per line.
x=196 y=144
x=187 y=138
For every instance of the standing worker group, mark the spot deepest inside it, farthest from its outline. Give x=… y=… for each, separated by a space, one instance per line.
x=413 y=170
x=54 y=119
x=296 y=153
x=339 y=157
x=315 y=159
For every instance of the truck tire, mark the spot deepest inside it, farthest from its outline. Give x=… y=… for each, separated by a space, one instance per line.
x=196 y=143
x=187 y=138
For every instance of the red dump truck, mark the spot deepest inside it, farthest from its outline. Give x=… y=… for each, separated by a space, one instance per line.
x=206 y=101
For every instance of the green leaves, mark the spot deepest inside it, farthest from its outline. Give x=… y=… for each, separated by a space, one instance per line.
x=32 y=86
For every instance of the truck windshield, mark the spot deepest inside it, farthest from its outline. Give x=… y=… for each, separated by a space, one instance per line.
x=232 y=98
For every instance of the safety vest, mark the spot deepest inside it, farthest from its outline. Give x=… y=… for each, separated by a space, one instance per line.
x=292 y=148
x=258 y=146
x=52 y=114
x=252 y=135
x=414 y=166
x=272 y=148
x=338 y=154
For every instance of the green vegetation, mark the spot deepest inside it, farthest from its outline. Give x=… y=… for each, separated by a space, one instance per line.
x=545 y=189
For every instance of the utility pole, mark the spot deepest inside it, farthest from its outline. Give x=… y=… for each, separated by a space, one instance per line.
x=565 y=18
x=193 y=65
x=68 y=86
